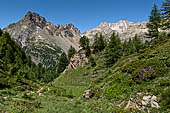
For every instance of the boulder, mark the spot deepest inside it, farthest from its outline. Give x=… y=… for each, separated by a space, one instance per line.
x=86 y=94
x=154 y=104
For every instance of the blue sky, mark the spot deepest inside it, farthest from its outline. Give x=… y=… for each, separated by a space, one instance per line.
x=84 y=14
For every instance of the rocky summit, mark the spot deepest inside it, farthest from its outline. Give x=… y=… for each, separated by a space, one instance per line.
x=42 y=40
x=123 y=28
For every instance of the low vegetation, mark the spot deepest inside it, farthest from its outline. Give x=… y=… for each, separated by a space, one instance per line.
x=121 y=77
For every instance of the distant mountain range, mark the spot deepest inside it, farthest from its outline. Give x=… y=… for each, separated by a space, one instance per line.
x=44 y=41
x=123 y=28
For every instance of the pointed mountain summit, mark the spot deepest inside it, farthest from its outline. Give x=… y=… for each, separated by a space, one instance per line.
x=42 y=40
x=35 y=19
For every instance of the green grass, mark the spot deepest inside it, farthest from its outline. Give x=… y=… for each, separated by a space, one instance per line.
x=76 y=81
x=111 y=86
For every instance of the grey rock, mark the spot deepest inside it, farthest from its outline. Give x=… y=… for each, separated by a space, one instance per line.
x=123 y=28
x=93 y=76
x=146 y=100
x=154 y=98
x=86 y=94
x=15 y=99
x=78 y=60
x=154 y=104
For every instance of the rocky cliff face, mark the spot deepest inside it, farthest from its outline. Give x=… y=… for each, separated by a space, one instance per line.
x=124 y=29
x=42 y=40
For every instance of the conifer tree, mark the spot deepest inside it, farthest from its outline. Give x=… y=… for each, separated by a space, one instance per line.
x=71 y=52
x=128 y=47
x=138 y=43
x=92 y=61
x=131 y=47
x=88 y=51
x=1 y=32
x=62 y=64
x=98 y=44
x=166 y=14
x=154 y=23
x=113 y=51
x=125 y=48
x=84 y=42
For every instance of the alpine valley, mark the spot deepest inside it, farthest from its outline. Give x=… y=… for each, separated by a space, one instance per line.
x=121 y=67
x=44 y=42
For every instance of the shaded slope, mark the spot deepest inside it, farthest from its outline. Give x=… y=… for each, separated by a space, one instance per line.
x=15 y=67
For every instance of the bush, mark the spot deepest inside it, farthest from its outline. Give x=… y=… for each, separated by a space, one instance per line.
x=165 y=97
x=118 y=87
x=92 y=61
x=146 y=70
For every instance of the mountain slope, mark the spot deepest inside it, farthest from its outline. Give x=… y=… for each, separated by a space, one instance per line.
x=17 y=69
x=124 y=28
x=42 y=40
x=135 y=83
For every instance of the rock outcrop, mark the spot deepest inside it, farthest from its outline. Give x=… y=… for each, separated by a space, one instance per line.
x=123 y=28
x=142 y=102
x=78 y=60
x=42 y=40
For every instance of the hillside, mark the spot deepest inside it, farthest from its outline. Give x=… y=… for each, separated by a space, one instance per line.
x=121 y=67
x=42 y=40
x=136 y=83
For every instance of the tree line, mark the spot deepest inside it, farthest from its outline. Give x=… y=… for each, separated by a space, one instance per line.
x=16 y=66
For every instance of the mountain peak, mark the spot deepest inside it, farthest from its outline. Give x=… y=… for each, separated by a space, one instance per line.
x=32 y=19
x=41 y=39
x=126 y=29
x=32 y=16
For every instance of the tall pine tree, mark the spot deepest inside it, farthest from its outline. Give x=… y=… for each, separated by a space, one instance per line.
x=62 y=64
x=166 y=15
x=128 y=47
x=154 y=23
x=71 y=52
x=84 y=42
x=139 y=45
x=113 y=51
x=98 y=44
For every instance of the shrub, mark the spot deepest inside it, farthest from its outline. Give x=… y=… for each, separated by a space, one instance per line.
x=165 y=97
x=92 y=61
x=118 y=87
